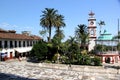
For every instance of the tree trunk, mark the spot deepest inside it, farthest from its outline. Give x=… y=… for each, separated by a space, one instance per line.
x=59 y=32
x=49 y=38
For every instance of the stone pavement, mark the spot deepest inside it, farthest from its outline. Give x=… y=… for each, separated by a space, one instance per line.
x=15 y=70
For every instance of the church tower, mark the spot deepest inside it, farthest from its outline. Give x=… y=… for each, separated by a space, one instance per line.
x=92 y=31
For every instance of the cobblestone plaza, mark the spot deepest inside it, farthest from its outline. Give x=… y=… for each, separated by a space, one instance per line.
x=15 y=70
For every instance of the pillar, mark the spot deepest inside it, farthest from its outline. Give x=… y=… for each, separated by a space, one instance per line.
x=103 y=59
x=8 y=44
x=113 y=60
x=3 y=44
x=21 y=43
x=13 y=43
x=17 y=43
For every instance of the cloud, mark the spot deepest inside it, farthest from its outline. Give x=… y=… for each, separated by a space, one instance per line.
x=8 y=26
x=18 y=29
x=26 y=28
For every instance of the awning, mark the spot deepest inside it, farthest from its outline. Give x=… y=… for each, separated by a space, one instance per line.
x=3 y=51
x=23 y=49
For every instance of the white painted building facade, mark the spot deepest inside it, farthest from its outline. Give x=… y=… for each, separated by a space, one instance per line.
x=12 y=43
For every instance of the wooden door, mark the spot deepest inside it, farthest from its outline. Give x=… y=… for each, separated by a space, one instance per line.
x=11 y=56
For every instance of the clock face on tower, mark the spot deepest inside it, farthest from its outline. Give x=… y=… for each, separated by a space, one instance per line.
x=91 y=23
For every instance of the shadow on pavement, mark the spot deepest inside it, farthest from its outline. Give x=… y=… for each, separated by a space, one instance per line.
x=4 y=76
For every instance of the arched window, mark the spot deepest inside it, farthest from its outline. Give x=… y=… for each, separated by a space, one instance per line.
x=19 y=43
x=23 y=43
x=5 y=44
x=11 y=44
x=15 y=43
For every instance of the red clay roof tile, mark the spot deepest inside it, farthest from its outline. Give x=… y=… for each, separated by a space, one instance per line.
x=8 y=35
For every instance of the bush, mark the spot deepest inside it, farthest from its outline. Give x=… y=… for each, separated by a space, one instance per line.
x=64 y=59
x=96 y=61
x=39 y=50
x=56 y=58
x=84 y=59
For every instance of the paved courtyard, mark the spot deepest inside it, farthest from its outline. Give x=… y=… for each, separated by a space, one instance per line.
x=15 y=70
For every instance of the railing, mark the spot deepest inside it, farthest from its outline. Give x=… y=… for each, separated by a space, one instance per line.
x=108 y=52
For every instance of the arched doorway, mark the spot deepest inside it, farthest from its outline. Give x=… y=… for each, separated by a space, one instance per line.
x=107 y=60
x=11 y=55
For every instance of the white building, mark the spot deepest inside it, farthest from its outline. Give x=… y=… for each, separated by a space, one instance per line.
x=12 y=43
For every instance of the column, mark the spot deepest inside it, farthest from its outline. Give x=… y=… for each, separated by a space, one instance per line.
x=17 y=43
x=21 y=43
x=112 y=59
x=32 y=43
x=29 y=42
x=13 y=43
x=3 y=42
x=103 y=59
x=8 y=44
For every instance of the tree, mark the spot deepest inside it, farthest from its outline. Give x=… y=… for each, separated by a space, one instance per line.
x=39 y=50
x=73 y=49
x=82 y=34
x=101 y=23
x=48 y=19
x=59 y=35
x=59 y=22
x=43 y=33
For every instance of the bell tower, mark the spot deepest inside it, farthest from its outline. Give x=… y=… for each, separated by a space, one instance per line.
x=91 y=30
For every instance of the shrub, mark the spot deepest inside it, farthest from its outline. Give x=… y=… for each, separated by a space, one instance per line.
x=56 y=57
x=96 y=61
x=84 y=59
x=39 y=50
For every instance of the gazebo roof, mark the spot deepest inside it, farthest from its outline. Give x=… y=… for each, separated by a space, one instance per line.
x=105 y=36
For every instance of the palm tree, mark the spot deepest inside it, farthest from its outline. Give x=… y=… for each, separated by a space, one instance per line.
x=72 y=49
x=59 y=22
x=71 y=40
x=59 y=35
x=101 y=23
x=48 y=19
x=43 y=33
x=82 y=34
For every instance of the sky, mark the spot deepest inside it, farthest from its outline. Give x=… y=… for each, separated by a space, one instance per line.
x=24 y=15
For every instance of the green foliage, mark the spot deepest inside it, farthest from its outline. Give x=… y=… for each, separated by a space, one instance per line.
x=84 y=59
x=96 y=61
x=59 y=35
x=82 y=34
x=102 y=48
x=101 y=23
x=39 y=50
x=64 y=59
x=43 y=33
x=118 y=46
x=84 y=52
x=56 y=58
x=50 y=18
x=98 y=47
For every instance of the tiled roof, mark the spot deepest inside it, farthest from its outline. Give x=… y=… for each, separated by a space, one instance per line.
x=13 y=35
